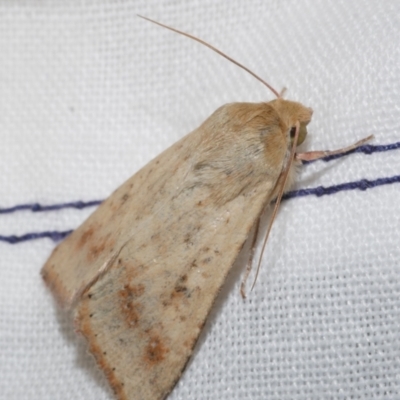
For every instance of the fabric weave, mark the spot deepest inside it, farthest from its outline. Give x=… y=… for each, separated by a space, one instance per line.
x=89 y=93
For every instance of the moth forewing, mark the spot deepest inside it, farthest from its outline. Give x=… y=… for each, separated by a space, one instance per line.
x=146 y=267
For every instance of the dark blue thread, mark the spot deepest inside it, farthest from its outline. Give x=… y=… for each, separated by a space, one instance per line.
x=56 y=236
x=365 y=149
x=362 y=184
x=36 y=207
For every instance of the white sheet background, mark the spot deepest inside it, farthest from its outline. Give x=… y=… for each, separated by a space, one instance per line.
x=89 y=93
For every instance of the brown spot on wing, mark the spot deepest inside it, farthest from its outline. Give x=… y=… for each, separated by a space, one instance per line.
x=85 y=237
x=131 y=309
x=155 y=351
x=101 y=245
x=124 y=198
x=188 y=239
x=132 y=269
x=180 y=288
x=180 y=291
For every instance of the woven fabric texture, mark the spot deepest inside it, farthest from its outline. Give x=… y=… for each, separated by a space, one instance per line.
x=89 y=93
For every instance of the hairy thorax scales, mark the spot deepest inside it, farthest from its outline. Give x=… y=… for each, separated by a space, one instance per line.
x=242 y=145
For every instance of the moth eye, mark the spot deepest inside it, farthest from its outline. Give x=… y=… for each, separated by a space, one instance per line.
x=302 y=133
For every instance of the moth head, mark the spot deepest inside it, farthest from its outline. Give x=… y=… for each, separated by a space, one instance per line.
x=292 y=113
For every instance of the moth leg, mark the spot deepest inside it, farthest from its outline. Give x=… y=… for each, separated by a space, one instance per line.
x=316 y=155
x=249 y=264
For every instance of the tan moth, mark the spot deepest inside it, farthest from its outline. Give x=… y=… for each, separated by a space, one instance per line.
x=142 y=272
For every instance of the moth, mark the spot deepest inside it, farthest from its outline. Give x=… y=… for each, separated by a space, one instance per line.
x=142 y=272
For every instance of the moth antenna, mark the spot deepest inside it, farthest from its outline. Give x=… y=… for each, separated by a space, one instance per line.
x=282 y=92
x=217 y=51
x=284 y=176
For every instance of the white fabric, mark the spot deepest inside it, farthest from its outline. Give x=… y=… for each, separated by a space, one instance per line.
x=89 y=93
